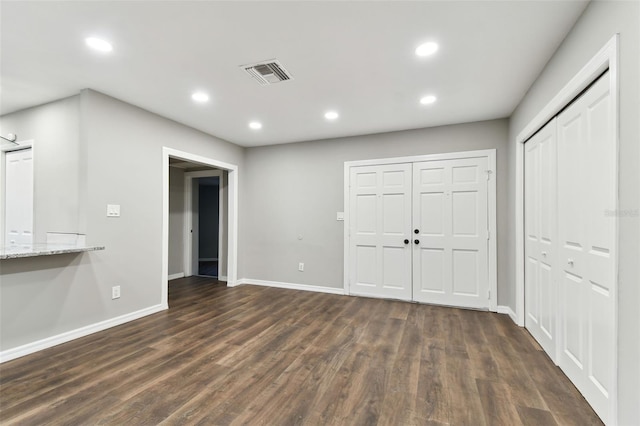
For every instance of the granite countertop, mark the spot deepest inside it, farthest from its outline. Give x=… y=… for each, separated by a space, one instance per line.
x=33 y=250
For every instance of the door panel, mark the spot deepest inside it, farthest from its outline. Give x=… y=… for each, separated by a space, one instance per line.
x=450 y=260
x=393 y=221
x=586 y=192
x=466 y=174
x=432 y=213
x=394 y=271
x=433 y=270
x=541 y=290
x=465 y=214
x=548 y=297
x=380 y=201
x=465 y=273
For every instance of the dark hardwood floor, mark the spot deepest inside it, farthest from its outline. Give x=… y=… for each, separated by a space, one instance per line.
x=266 y=356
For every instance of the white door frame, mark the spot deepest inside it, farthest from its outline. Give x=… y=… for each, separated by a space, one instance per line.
x=188 y=222
x=18 y=145
x=606 y=58
x=492 y=252
x=232 y=234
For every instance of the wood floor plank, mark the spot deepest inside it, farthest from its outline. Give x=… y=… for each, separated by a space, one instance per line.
x=433 y=398
x=535 y=417
x=497 y=404
x=265 y=356
x=465 y=406
x=513 y=371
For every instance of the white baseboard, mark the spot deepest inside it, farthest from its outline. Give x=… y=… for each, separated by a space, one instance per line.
x=508 y=311
x=48 y=342
x=292 y=286
x=176 y=276
x=222 y=278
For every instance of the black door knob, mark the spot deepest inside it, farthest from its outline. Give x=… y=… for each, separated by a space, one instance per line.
x=416 y=241
x=406 y=241
x=416 y=231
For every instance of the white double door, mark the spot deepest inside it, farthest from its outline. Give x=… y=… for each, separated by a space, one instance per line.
x=570 y=226
x=419 y=231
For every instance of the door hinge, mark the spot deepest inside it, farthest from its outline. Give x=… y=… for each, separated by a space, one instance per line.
x=488 y=234
x=489 y=294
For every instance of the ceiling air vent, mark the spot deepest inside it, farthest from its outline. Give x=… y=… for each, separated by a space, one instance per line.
x=267 y=72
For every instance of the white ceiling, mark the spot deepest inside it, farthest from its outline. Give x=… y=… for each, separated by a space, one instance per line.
x=353 y=57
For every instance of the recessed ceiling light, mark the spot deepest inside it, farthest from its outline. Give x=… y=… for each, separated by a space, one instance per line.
x=427 y=49
x=255 y=125
x=98 y=44
x=331 y=115
x=426 y=100
x=200 y=97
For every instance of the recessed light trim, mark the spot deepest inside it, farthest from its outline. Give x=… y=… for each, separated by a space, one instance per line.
x=200 y=97
x=427 y=100
x=427 y=49
x=98 y=44
x=255 y=125
x=331 y=115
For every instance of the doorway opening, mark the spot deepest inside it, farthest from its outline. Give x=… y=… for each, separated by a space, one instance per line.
x=182 y=252
x=208 y=235
x=206 y=207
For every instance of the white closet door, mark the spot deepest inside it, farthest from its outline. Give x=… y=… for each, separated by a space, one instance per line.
x=540 y=244
x=380 y=206
x=450 y=239
x=19 y=197
x=587 y=199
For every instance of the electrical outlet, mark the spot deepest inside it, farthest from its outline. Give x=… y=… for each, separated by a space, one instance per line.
x=301 y=267
x=115 y=292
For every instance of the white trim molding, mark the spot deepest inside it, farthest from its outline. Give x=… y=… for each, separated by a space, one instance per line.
x=175 y=276
x=502 y=309
x=490 y=154
x=291 y=286
x=605 y=58
x=65 y=337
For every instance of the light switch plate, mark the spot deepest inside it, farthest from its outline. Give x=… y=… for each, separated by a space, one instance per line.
x=113 y=210
x=340 y=216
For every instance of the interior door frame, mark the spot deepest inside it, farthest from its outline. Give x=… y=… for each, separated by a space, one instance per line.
x=18 y=146
x=490 y=154
x=606 y=58
x=232 y=222
x=188 y=240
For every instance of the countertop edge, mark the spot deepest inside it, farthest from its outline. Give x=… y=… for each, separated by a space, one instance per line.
x=49 y=252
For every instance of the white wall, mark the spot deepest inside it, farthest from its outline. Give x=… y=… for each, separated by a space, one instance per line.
x=600 y=21
x=55 y=129
x=176 y=220
x=296 y=189
x=122 y=149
